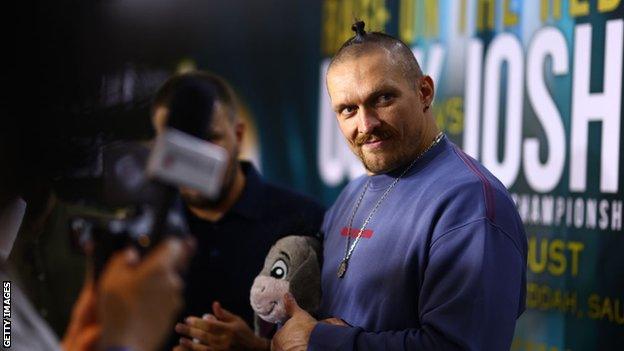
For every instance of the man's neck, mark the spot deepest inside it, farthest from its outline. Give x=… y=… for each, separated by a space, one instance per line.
x=217 y=211
x=427 y=140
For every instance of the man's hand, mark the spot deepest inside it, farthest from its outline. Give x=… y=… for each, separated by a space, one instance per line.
x=83 y=331
x=295 y=334
x=222 y=331
x=138 y=300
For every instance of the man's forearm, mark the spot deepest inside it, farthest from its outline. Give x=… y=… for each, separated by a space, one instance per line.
x=327 y=337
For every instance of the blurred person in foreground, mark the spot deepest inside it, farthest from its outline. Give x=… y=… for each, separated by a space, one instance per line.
x=435 y=252
x=130 y=307
x=234 y=232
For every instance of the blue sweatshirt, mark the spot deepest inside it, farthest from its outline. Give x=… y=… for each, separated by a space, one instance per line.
x=441 y=265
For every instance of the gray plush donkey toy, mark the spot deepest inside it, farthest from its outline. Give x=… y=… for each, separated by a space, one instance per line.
x=292 y=265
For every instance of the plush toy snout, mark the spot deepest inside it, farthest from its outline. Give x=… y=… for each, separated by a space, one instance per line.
x=267 y=298
x=291 y=266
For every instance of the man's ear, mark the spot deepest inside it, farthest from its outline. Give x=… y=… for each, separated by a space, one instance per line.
x=239 y=130
x=305 y=282
x=159 y=119
x=427 y=91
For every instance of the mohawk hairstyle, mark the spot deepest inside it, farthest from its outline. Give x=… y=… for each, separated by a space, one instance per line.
x=364 y=41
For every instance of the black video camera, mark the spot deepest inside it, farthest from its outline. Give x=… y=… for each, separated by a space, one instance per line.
x=138 y=202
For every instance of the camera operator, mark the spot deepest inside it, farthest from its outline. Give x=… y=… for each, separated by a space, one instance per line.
x=130 y=307
x=233 y=232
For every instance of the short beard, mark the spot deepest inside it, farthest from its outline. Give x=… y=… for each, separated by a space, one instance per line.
x=201 y=201
x=391 y=162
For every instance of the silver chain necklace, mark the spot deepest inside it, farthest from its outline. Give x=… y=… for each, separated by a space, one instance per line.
x=342 y=267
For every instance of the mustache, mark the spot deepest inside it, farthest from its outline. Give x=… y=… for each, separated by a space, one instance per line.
x=381 y=133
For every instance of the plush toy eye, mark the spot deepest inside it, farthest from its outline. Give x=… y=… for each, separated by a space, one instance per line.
x=279 y=269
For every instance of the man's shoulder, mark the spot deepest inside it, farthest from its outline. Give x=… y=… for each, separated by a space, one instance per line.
x=276 y=197
x=292 y=212
x=468 y=197
x=289 y=199
x=457 y=174
x=466 y=190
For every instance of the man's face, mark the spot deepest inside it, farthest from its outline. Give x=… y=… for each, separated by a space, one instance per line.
x=380 y=111
x=222 y=132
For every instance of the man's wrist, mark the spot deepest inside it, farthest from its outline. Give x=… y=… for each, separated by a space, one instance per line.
x=326 y=336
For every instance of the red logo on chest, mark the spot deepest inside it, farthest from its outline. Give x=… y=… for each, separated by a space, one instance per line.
x=353 y=232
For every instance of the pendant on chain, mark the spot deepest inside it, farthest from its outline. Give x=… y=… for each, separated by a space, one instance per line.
x=342 y=269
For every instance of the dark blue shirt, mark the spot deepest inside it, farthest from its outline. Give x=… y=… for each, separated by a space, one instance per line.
x=440 y=267
x=231 y=251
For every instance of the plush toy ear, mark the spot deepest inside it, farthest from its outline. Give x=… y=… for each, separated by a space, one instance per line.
x=315 y=244
x=305 y=282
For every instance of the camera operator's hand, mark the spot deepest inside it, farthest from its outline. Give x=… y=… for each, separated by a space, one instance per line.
x=223 y=331
x=83 y=331
x=138 y=300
